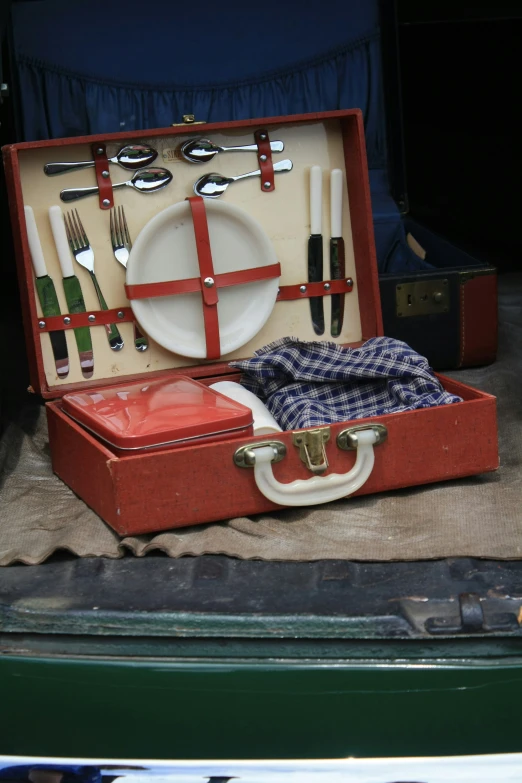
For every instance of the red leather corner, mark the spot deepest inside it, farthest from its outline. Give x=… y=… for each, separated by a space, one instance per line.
x=478 y=320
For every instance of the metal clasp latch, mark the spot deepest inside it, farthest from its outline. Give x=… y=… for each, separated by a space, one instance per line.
x=311 y=448
x=424 y=297
x=188 y=119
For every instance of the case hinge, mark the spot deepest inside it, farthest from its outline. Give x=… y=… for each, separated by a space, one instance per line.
x=471 y=618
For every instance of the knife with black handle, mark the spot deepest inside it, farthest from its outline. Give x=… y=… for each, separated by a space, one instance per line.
x=337 y=260
x=315 y=246
x=72 y=290
x=46 y=294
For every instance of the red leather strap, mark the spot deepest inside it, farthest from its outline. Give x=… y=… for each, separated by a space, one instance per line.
x=264 y=157
x=205 y=263
x=56 y=323
x=193 y=284
x=207 y=277
x=103 y=177
x=306 y=290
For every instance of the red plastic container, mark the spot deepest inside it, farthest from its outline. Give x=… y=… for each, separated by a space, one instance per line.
x=173 y=412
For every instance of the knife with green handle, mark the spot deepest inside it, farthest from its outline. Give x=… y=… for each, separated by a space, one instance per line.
x=72 y=290
x=46 y=294
x=337 y=260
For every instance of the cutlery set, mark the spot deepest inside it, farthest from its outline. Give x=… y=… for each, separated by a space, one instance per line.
x=315 y=247
x=121 y=247
x=72 y=241
x=147 y=179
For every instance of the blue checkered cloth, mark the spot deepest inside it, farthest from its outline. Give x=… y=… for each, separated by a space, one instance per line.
x=306 y=384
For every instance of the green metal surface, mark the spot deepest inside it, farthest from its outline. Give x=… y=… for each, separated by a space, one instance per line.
x=47 y=295
x=75 y=304
x=257 y=709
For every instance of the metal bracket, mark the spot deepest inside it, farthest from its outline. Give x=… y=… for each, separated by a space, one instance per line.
x=245 y=456
x=471 y=619
x=467 y=275
x=348 y=441
x=311 y=448
x=423 y=297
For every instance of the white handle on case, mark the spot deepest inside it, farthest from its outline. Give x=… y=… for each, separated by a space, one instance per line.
x=316 y=199
x=35 y=246
x=336 y=203
x=319 y=489
x=60 y=240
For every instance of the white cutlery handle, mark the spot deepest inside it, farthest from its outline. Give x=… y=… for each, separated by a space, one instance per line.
x=336 y=202
x=316 y=199
x=60 y=240
x=35 y=246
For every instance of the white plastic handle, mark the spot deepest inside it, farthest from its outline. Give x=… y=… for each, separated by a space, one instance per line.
x=60 y=240
x=35 y=246
x=316 y=199
x=319 y=489
x=336 y=203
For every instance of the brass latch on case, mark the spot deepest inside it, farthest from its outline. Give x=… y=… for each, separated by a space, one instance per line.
x=188 y=119
x=311 y=448
x=422 y=298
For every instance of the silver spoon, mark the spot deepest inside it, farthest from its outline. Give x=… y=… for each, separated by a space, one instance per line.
x=146 y=181
x=214 y=185
x=203 y=150
x=132 y=157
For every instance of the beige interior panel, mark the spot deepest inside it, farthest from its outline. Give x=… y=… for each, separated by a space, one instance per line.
x=284 y=215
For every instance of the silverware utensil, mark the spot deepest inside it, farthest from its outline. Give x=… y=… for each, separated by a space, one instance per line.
x=84 y=255
x=145 y=180
x=132 y=157
x=121 y=246
x=214 y=185
x=203 y=150
x=315 y=246
x=337 y=255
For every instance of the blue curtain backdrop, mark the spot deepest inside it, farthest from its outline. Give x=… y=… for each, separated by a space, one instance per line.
x=94 y=66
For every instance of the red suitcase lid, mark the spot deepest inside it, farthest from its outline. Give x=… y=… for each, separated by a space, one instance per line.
x=145 y=414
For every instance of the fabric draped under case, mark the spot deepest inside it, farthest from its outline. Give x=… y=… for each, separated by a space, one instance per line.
x=309 y=384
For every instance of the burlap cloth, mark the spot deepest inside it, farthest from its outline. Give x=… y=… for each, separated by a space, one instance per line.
x=480 y=516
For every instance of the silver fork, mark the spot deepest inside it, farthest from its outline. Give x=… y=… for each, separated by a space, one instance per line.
x=84 y=255
x=121 y=246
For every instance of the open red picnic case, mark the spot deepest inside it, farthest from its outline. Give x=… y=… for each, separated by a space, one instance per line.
x=237 y=475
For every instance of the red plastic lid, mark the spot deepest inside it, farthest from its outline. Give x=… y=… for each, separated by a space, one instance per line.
x=146 y=414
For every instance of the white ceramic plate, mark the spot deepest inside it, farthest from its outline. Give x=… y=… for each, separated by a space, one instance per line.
x=165 y=250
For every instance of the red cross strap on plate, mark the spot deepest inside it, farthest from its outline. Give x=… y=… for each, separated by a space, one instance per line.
x=207 y=277
x=208 y=283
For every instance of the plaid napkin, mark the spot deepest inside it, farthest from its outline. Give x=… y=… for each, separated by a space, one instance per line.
x=306 y=384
